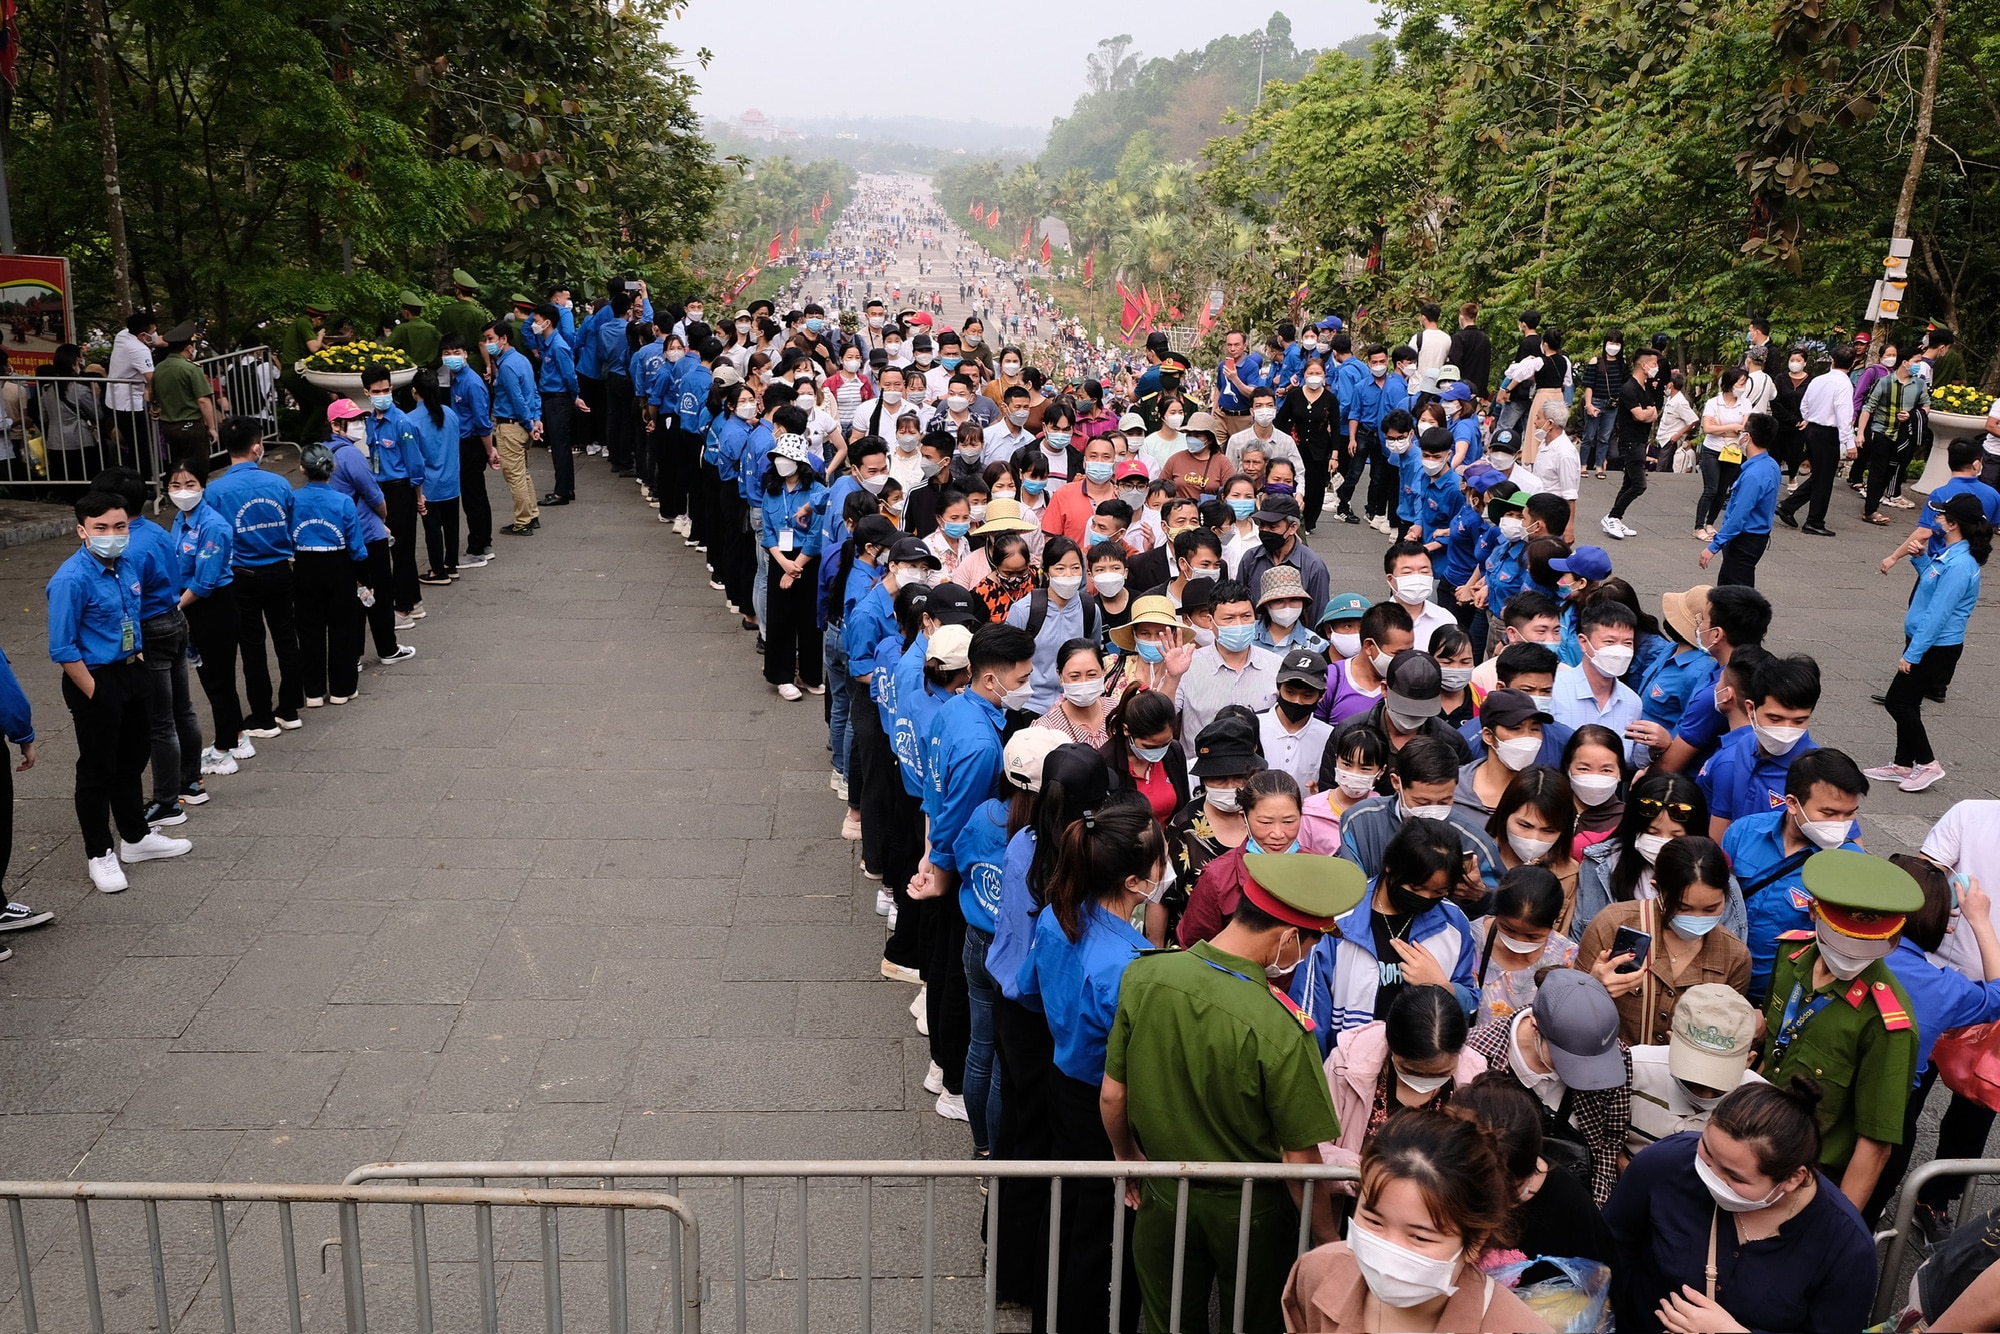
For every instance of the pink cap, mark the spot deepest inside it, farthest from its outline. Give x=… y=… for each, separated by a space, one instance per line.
x=344 y=409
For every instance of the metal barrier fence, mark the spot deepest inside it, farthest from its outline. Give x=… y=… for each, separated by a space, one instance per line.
x=215 y=1289
x=1889 y=1290
x=730 y=1195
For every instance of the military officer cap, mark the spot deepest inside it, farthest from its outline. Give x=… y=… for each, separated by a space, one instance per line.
x=315 y=308
x=463 y=279
x=522 y=303
x=1303 y=889
x=410 y=299
x=183 y=332
x=1861 y=896
x=1174 y=361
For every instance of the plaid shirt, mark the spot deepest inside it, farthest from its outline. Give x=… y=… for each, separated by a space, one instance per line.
x=1599 y=1115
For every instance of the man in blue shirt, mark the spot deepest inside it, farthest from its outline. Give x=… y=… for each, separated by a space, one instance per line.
x=1746 y=775
x=476 y=455
x=258 y=505
x=1766 y=852
x=557 y=382
x=963 y=756
x=398 y=462
x=614 y=355
x=1239 y=372
x=176 y=747
x=517 y=419
x=95 y=636
x=1735 y=616
x=1753 y=501
x=353 y=478
x=331 y=541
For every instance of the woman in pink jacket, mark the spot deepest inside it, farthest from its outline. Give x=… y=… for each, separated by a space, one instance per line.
x=1414 y=1058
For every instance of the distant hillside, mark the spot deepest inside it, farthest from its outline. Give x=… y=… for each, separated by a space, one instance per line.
x=973 y=136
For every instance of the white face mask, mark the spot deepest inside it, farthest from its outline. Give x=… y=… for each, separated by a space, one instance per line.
x=1110 y=585
x=1822 y=834
x=1776 y=740
x=1353 y=783
x=1512 y=528
x=1263 y=416
x=1593 y=789
x=1434 y=466
x=1315 y=381
x=1083 y=694
x=1065 y=586
x=786 y=467
x=1726 y=1198
x=1018 y=417
x=1285 y=616
x=1203 y=637
x=1017 y=698
x=1518 y=752
x=851 y=367
x=908 y=444
x=1174 y=420
x=1413 y=590
x=1888 y=363
x=1455 y=678
x=1648 y=846
x=1277 y=968
x=1844 y=956
x=957 y=402
x=1613 y=349
x=1398 y=1276
x=1380 y=661
x=1529 y=849
x=356 y=431
x=1424 y=1084
x=1500 y=459
x=1613 y=660
x=892 y=396
x=1157 y=890
x=1442 y=812
x=1222 y=798
x=185 y=500
x=1346 y=645
x=1010 y=368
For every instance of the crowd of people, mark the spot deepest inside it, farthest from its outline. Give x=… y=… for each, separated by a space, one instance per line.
x=1525 y=891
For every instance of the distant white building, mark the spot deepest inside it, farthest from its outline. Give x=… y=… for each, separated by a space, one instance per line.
x=754 y=124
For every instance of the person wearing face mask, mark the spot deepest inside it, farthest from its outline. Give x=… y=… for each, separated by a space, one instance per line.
x=948 y=541
x=1837 y=1013
x=1500 y=557
x=1281 y=603
x=1262 y=433
x=1572 y=576
x=1382 y=631
x=1360 y=753
x=1199 y=470
x=1111 y=583
x=1790 y=1252
x=1510 y=728
x=1768 y=851
x=1070 y=508
x=1431 y=496
x=1278 y=520
x=1691 y=945
x=330 y=542
x=95 y=637
x=1176 y=1087
x=1593 y=691
x=1233 y=670
x=1735 y=617
x=202 y=540
x=867 y=620
x=1593 y=759
x=1270 y=804
x=1413 y=686
x=1340 y=623
x=1053 y=615
x=1291 y=738
x=259 y=504
x=788 y=527
x=1518 y=940
x=1747 y=773
x=1008 y=376
x=1011 y=431
x=1603 y=377
x=1533 y=825
x=1080 y=712
x=1530 y=668
x=1406 y=565
x=1166 y=439
x=1109 y=863
x=1412 y=1059
x=1433 y=1200
x=1677 y=1084
x=1619 y=868
x=1309 y=416
x=472 y=402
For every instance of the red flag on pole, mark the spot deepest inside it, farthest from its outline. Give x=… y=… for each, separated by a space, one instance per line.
x=773 y=252
x=826 y=200
x=1046 y=252
x=979 y=212
x=1090 y=268
x=1135 y=319
x=795 y=236
x=993 y=219
x=1027 y=235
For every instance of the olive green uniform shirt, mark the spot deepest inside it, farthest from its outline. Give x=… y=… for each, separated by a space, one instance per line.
x=179 y=386
x=466 y=318
x=1861 y=1048
x=418 y=340
x=293 y=349
x=1216 y=1068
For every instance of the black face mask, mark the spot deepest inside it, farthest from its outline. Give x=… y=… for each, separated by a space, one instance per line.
x=1405 y=902
x=1273 y=542
x=1294 y=711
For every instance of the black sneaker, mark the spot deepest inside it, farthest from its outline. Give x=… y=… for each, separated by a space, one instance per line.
x=433 y=577
x=1934 y=696
x=19 y=917
x=194 y=794
x=1349 y=516
x=170 y=813
x=519 y=530
x=536 y=523
x=1787 y=520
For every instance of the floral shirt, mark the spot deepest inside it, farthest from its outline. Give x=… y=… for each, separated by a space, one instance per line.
x=1503 y=991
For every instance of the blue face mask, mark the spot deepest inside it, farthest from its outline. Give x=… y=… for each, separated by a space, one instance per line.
x=109 y=546
x=956 y=530
x=1151 y=754
x=950 y=363
x=1253 y=846
x=493 y=349
x=1242 y=509
x=381 y=402
x=1034 y=486
x=455 y=362
x=1148 y=651
x=1060 y=439
x=1093 y=537
x=815 y=326
x=1235 y=638
x=1099 y=471
x=1690 y=927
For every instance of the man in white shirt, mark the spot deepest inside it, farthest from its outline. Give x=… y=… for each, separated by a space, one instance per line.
x=1275 y=443
x=1676 y=1085
x=1558 y=464
x=1759 y=389
x=1503 y=455
x=1009 y=431
x=1432 y=343
x=1411 y=583
x=1292 y=739
x=1828 y=413
x=1232 y=670
x=1592 y=693
x=131 y=360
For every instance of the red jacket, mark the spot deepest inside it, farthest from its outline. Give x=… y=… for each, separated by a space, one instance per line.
x=1213 y=900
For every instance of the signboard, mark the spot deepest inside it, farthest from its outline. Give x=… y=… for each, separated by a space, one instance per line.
x=35 y=315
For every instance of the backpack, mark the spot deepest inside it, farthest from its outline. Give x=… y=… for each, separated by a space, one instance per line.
x=1038 y=612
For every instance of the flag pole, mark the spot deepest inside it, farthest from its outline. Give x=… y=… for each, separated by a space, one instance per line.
x=6 y=210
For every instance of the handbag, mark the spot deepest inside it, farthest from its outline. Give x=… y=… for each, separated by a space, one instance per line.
x=1968 y=1061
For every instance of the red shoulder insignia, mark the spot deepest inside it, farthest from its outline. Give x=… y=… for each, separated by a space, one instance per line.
x=1894 y=1017
x=1305 y=1020
x=1857 y=993
x=1795 y=935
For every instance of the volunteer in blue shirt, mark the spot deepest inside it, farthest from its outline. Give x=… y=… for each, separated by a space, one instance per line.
x=355 y=479
x=476 y=455
x=556 y=381
x=1457 y=398
x=1746 y=775
x=1109 y=863
x=1239 y=372
x=1503 y=551
x=1456 y=555
x=682 y=396
x=614 y=356
x=1436 y=496
x=648 y=364
x=1934 y=637
x=176 y=732
x=95 y=637
x=1753 y=501
x=397 y=460
x=788 y=520
x=332 y=547
x=730 y=556
x=258 y=506
x=201 y=552
x=872 y=771
x=435 y=426
x=517 y=419
x=1735 y=615
x=1767 y=851
x=18 y=725
x=1363 y=408
x=963 y=751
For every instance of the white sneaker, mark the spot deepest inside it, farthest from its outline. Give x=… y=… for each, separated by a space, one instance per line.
x=951 y=1107
x=790 y=691
x=315 y=701
x=920 y=1010
x=291 y=724
x=885 y=902
x=473 y=562
x=340 y=699
x=243 y=750
x=1612 y=528
x=153 y=847
x=892 y=919
x=261 y=733
x=934 y=1079
x=404 y=622
x=1380 y=523
x=895 y=972
x=105 y=874
x=215 y=762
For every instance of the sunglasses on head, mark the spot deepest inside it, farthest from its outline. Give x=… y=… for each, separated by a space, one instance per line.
x=1679 y=808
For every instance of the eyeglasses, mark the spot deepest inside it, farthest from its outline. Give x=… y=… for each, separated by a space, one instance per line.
x=1681 y=809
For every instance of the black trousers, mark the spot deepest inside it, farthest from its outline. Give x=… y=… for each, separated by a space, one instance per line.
x=679 y=461
x=176 y=749
x=212 y=625
x=478 y=510
x=618 y=421
x=1632 y=460
x=791 y=628
x=1883 y=456
x=323 y=584
x=1026 y=1132
x=558 y=411
x=1905 y=700
x=264 y=599
x=947 y=1011
x=730 y=551
x=1740 y=557
x=404 y=590
x=1823 y=453
x=880 y=780
x=113 y=742
x=373 y=574
x=587 y=429
x=1317 y=470
x=1383 y=478
x=441 y=535
x=1083 y=1289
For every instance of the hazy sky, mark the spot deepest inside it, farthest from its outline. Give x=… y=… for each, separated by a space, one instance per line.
x=1029 y=54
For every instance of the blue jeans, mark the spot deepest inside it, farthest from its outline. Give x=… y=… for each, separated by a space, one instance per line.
x=1595 y=446
x=839 y=727
x=982 y=1091
x=760 y=590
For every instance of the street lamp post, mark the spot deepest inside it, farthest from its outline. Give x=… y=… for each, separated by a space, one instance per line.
x=1260 y=42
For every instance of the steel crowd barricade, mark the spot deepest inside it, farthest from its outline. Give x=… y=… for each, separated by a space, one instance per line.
x=220 y=1272
x=734 y=1175
x=1889 y=1289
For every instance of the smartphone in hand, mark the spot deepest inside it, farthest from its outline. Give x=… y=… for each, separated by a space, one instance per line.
x=1638 y=944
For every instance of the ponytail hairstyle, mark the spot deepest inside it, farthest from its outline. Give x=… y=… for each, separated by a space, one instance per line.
x=1425 y=1023
x=1455 y=1166
x=434 y=398
x=1139 y=712
x=909 y=608
x=1497 y=1104
x=1099 y=853
x=1781 y=1124
x=1965 y=511
x=1056 y=810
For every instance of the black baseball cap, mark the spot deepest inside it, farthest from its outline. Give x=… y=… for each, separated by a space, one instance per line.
x=912 y=551
x=1304 y=666
x=1276 y=505
x=1225 y=746
x=1510 y=708
x=951 y=604
x=1414 y=683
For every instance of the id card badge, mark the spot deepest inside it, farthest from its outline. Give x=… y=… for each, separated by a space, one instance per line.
x=127 y=638
x=785 y=543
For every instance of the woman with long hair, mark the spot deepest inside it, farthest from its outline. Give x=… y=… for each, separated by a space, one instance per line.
x=1662 y=807
x=1533 y=825
x=792 y=644
x=437 y=430
x=1415 y=1058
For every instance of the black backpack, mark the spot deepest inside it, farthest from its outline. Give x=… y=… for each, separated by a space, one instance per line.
x=1038 y=612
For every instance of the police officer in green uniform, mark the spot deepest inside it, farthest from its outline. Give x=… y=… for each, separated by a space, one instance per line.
x=415 y=337
x=303 y=337
x=1208 y=1062
x=1163 y=389
x=1837 y=1015
x=466 y=318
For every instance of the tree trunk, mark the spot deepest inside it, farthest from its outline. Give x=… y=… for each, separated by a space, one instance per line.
x=114 y=200
x=1906 y=202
